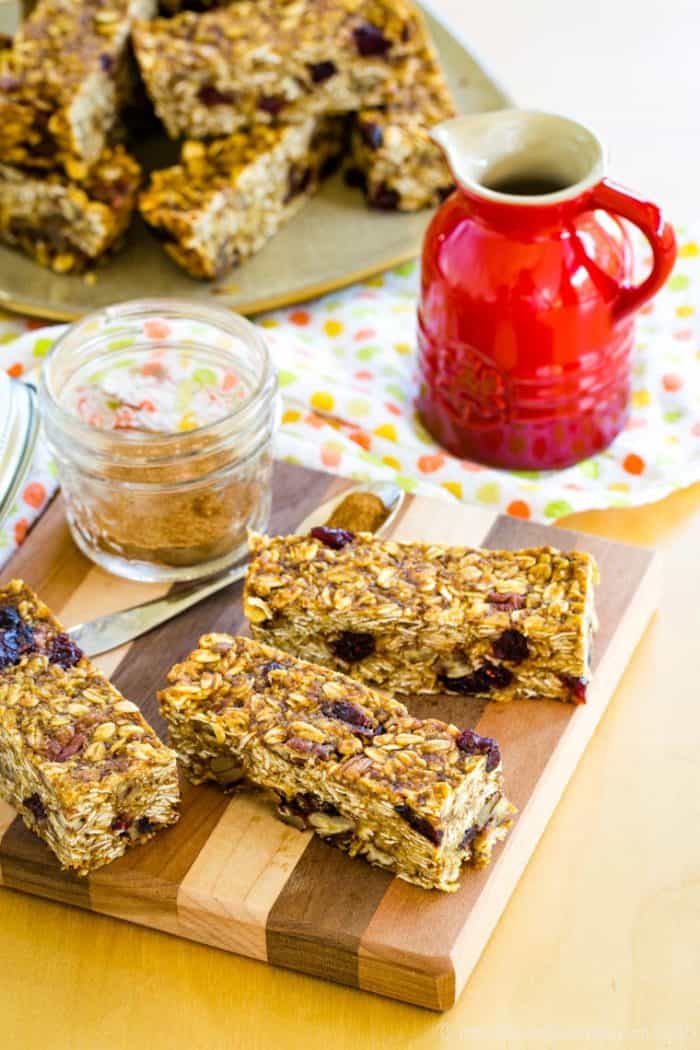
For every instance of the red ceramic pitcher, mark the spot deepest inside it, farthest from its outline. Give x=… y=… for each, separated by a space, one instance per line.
x=526 y=317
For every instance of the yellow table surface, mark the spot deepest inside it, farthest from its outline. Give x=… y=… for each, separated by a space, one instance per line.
x=600 y=944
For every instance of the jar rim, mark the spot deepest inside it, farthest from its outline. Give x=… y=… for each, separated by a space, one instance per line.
x=183 y=309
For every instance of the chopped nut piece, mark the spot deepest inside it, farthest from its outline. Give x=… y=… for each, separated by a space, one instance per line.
x=81 y=765
x=425 y=618
x=414 y=796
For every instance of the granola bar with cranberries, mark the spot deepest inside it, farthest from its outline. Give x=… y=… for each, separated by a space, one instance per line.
x=417 y=797
x=77 y=761
x=427 y=618
x=227 y=197
x=260 y=61
x=60 y=85
x=393 y=157
x=69 y=224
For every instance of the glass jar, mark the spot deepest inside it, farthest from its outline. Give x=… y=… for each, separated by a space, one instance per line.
x=160 y=414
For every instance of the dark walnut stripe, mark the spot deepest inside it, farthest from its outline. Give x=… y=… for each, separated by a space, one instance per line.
x=29 y=865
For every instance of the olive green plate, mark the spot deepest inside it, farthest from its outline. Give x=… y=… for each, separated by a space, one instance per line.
x=333 y=241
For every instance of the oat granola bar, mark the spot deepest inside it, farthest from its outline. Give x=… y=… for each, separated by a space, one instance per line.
x=59 y=90
x=65 y=224
x=425 y=618
x=393 y=156
x=78 y=762
x=416 y=797
x=227 y=197
x=259 y=61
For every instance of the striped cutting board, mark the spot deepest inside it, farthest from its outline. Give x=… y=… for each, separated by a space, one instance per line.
x=229 y=874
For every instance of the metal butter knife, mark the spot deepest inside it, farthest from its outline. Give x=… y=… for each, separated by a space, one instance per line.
x=115 y=629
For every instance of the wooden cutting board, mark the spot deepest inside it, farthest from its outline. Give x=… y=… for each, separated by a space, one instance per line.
x=231 y=875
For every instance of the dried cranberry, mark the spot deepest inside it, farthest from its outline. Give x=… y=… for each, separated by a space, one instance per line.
x=420 y=824
x=9 y=83
x=321 y=71
x=9 y=617
x=506 y=602
x=35 y=806
x=120 y=823
x=355 y=178
x=352 y=715
x=63 y=651
x=469 y=836
x=474 y=744
x=385 y=198
x=511 y=645
x=371 y=133
x=211 y=96
x=16 y=637
x=444 y=192
x=106 y=63
x=58 y=753
x=369 y=40
x=309 y=747
x=272 y=104
x=272 y=665
x=336 y=539
x=144 y=826
x=297 y=181
x=490 y=676
x=353 y=646
x=578 y=687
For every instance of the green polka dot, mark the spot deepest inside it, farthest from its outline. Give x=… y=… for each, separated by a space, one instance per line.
x=407 y=484
x=369 y=457
x=396 y=392
x=120 y=344
x=53 y=468
x=334 y=446
x=205 y=376
x=678 y=283
x=291 y=459
x=405 y=269
x=533 y=475
x=4 y=539
x=184 y=395
x=619 y=501
x=357 y=407
x=366 y=353
x=42 y=347
x=489 y=493
x=388 y=370
x=286 y=378
x=590 y=468
x=673 y=416
x=558 y=508
x=7 y=337
x=332 y=306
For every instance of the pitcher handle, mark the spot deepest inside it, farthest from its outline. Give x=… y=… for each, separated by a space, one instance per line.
x=658 y=232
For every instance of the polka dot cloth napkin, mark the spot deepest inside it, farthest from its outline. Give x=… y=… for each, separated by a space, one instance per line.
x=347 y=367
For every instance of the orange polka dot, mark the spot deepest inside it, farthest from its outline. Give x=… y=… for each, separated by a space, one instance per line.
x=647 y=309
x=155 y=329
x=471 y=468
x=672 y=382
x=15 y=370
x=229 y=381
x=364 y=374
x=361 y=439
x=683 y=334
x=364 y=334
x=518 y=509
x=428 y=464
x=300 y=317
x=633 y=463
x=330 y=456
x=696 y=430
x=314 y=421
x=21 y=527
x=33 y=325
x=34 y=494
x=394 y=409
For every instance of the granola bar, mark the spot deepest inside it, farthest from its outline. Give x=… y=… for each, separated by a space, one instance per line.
x=398 y=164
x=261 y=61
x=59 y=90
x=78 y=762
x=425 y=618
x=416 y=797
x=227 y=197
x=65 y=224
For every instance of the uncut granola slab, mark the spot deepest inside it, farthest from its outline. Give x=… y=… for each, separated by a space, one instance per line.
x=227 y=197
x=418 y=797
x=78 y=762
x=426 y=618
x=393 y=157
x=65 y=224
x=60 y=85
x=259 y=61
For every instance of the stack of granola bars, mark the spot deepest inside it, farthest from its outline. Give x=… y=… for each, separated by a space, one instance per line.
x=266 y=97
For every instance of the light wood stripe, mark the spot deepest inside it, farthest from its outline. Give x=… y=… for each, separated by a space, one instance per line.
x=226 y=896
